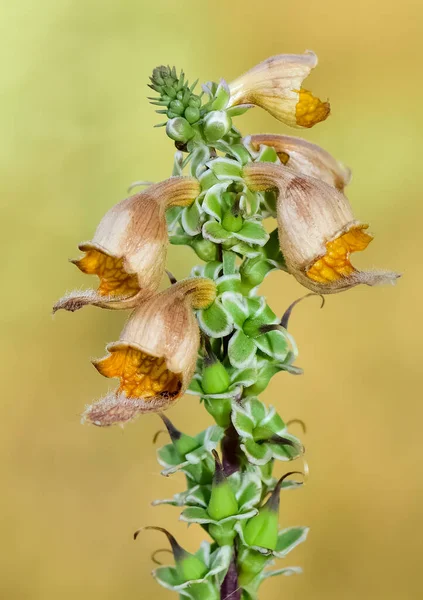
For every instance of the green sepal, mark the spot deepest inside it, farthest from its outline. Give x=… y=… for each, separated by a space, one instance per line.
x=252 y=232
x=221 y=97
x=241 y=350
x=215 y=321
x=213 y=231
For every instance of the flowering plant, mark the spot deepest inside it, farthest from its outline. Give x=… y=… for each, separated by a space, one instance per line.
x=212 y=335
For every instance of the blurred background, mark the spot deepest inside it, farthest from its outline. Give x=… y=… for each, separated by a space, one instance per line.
x=76 y=130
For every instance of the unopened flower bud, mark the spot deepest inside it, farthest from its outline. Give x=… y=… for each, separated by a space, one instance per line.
x=183 y=443
x=215 y=378
x=222 y=502
x=262 y=530
x=177 y=107
x=179 y=129
x=188 y=566
x=205 y=249
x=231 y=221
x=216 y=125
x=192 y=114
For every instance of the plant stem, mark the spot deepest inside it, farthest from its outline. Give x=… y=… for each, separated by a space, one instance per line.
x=230 y=589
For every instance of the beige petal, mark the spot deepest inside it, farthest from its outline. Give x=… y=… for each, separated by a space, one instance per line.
x=276 y=85
x=303 y=157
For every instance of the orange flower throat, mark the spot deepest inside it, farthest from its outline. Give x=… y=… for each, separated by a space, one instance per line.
x=114 y=280
x=141 y=375
x=335 y=263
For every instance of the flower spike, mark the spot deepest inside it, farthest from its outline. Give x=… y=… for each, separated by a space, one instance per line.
x=317 y=230
x=156 y=355
x=276 y=85
x=128 y=250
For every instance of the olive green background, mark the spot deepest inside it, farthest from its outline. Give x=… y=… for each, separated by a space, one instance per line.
x=76 y=130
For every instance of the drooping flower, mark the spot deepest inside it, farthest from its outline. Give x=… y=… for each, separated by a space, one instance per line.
x=156 y=354
x=128 y=250
x=276 y=85
x=303 y=157
x=317 y=230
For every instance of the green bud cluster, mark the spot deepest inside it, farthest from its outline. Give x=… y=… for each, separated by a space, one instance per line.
x=243 y=346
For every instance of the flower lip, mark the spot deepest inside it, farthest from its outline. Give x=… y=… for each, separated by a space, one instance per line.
x=276 y=85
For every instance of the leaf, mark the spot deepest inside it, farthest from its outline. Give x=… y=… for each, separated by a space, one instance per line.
x=242 y=422
x=212 y=269
x=252 y=232
x=200 y=156
x=195 y=514
x=191 y=218
x=215 y=321
x=245 y=377
x=235 y=306
x=286 y=571
x=213 y=231
x=273 y=344
x=289 y=538
x=221 y=96
x=229 y=283
x=249 y=492
x=168 y=456
x=207 y=179
x=229 y=260
x=256 y=454
x=241 y=350
x=225 y=168
x=212 y=203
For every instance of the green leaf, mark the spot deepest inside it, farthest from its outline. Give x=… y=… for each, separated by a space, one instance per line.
x=212 y=269
x=229 y=262
x=213 y=231
x=289 y=538
x=245 y=377
x=195 y=514
x=246 y=249
x=200 y=156
x=212 y=203
x=191 y=218
x=257 y=410
x=215 y=321
x=225 y=168
x=235 y=305
x=195 y=388
x=241 y=350
x=236 y=111
x=229 y=283
x=242 y=422
x=273 y=344
x=252 y=232
x=221 y=96
x=286 y=571
x=257 y=454
x=267 y=154
x=168 y=456
x=249 y=492
x=207 y=179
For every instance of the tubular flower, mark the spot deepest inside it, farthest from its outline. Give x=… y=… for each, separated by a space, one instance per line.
x=317 y=230
x=303 y=157
x=156 y=354
x=276 y=85
x=128 y=250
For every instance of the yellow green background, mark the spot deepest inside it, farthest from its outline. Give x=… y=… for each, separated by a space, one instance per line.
x=76 y=130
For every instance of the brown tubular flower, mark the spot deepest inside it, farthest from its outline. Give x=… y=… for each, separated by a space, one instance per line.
x=303 y=157
x=128 y=250
x=276 y=85
x=317 y=230
x=156 y=355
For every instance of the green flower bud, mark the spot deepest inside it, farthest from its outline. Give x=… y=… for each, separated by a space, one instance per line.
x=215 y=379
x=183 y=443
x=262 y=530
x=188 y=566
x=222 y=502
x=177 y=107
x=192 y=114
x=194 y=102
x=179 y=129
x=232 y=222
x=216 y=125
x=205 y=249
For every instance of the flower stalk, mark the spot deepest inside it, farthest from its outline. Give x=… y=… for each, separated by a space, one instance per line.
x=213 y=335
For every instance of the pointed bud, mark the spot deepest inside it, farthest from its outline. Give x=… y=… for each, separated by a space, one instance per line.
x=128 y=250
x=262 y=530
x=317 y=230
x=232 y=222
x=156 y=355
x=183 y=443
x=223 y=502
x=205 y=249
x=216 y=125
x=215 y=378
x=179 y=130
x=188 y=566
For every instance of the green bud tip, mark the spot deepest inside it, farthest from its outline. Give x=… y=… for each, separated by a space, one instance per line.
x=223 y=501
x=215 y=378
x=182 y=442
x=188 y=566
x=262 y=530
